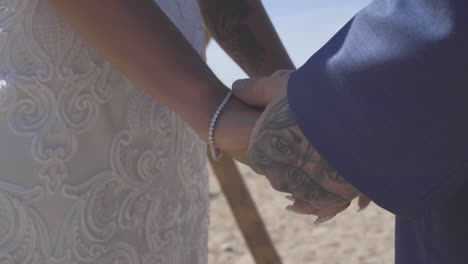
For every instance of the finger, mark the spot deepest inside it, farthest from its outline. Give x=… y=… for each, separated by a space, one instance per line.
x=300 y=207
x=363 y=202
x=254 y=92
x=313 y=192
x=305 y=208
x=327 y=214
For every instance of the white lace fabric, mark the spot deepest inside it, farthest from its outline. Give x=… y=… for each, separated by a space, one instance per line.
x=91 y=169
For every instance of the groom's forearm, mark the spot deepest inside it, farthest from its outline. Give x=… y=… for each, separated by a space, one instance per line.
x=138 y=38
x=243 y=29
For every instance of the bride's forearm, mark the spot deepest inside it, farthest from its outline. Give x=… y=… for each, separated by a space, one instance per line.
x=139 y=40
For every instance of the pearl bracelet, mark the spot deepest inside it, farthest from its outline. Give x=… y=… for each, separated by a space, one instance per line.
x=215 y=152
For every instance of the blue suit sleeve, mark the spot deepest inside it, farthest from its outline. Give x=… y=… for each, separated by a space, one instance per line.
x=386 y=102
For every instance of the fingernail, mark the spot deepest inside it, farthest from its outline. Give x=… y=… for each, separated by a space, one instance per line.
x=290 y=198
x=239 y=84
x=322 y=220
x=360 y=209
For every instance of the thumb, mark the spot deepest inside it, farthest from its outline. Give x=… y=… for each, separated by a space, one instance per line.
x=253 y=92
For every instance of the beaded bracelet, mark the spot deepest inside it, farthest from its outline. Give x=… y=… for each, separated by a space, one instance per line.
x=215 y=152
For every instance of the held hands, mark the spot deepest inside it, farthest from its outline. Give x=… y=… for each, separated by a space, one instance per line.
x=278 y=149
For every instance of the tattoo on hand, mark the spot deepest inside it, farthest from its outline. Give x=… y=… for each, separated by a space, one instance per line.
x=282 y=152
x=230 y=23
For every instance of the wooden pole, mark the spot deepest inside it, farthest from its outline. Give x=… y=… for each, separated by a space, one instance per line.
x=245 y=212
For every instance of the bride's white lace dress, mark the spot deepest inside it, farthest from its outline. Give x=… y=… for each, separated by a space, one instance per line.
x=91 y=169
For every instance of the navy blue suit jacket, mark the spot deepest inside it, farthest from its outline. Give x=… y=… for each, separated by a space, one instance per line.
x=386 y=102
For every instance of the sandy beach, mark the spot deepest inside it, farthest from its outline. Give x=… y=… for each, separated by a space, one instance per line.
x=352 y=238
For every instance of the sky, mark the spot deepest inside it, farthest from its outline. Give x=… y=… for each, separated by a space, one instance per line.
x=303 y=25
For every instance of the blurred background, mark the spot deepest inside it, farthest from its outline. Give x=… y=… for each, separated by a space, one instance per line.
x=352 y=238
x=303 y=25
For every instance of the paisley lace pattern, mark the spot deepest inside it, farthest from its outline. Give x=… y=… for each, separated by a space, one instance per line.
x=91 y=169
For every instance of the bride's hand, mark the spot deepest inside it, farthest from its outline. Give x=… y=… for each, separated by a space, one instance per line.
x=234 y=127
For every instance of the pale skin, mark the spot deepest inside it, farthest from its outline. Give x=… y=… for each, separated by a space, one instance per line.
x=279 y=150
x=140 y=41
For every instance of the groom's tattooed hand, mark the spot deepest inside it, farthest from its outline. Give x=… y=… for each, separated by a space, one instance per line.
x=282 y=153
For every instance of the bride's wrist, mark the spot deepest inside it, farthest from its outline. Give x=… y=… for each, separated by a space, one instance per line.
x=200 y=115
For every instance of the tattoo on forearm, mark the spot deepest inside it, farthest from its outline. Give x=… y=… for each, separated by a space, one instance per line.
x=228 y=21
x=281 y=152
